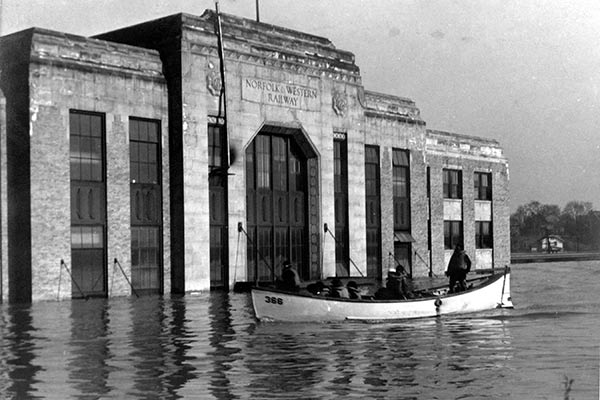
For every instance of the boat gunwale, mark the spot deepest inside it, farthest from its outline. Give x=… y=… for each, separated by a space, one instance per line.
x=490 y=280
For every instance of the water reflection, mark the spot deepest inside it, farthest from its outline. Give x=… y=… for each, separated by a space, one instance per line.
x=210 y=346
x=221 y=336
x=89 y=347
x=18 y=352
x=177 y=335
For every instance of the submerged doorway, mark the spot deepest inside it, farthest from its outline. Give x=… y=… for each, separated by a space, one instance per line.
x=279 y=163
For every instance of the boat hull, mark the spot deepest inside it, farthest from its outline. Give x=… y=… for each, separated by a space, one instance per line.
x=279 y=305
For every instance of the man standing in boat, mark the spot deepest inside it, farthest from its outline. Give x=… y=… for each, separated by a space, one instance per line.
x=458 y=268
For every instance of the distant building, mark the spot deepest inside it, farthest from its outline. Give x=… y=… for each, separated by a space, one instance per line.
x=116 y=159
x=556 y=243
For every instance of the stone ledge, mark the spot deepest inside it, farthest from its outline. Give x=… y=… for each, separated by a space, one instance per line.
x=80 y=53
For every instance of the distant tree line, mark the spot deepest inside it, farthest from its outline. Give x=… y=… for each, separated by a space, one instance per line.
x=578 y=224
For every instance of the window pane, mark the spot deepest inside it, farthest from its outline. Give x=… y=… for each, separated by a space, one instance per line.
x=152 y=152
x=134 y=172
x=96 y=170
x=133 y=130
x=74 y=146
x=135 y=237
x=85 y=147
x=143 y=131
x=152 y=174
x=97 y=239
x=86 y=171
x=371 y=155
x=452 y=184
x=84 y=125
x=75 y=170
x=153 y=132
x=86 y=237
x=143 y=154
x=76 y=241
x=143 y=173
x=134 y=149
x=250 y=183
x=73 y=124
x=96 y=126
x=400 y=158
x=96 y=148
x=263 y=168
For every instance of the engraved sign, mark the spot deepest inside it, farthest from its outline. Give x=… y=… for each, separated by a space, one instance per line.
x=284 y=94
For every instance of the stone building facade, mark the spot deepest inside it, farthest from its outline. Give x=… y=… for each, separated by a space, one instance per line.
x=128 y=165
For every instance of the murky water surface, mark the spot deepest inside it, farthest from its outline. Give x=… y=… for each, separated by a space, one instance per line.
x=210 y=347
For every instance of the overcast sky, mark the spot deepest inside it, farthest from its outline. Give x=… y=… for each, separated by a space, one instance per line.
x=524 y=72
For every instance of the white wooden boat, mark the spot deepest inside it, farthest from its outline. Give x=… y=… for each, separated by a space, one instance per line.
x=277 y=305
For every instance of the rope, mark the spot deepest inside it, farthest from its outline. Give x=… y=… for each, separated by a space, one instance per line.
x=427 y=265
x=59 y=280
x=112 y=280
x=349 y=259
x=503 y=283
x=241 y=229
x=62 y=263
x=126 y=278
x=237 y=252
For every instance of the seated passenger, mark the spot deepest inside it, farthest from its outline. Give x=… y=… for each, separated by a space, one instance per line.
x=289 y=278
x=318 y=289
x=338 y=289
x=395 y=286
x=353 y=290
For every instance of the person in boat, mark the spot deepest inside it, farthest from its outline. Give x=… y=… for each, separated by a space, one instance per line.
x=395 y=285
x=338 y=289
x=318 y=289
x=458 y=268
x=353 y=290
x=290 y=280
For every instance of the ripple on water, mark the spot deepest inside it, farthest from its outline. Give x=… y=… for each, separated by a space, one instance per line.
x=210 y=346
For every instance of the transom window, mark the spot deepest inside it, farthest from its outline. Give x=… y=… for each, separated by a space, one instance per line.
x=86 y=147
x=452 y=184
x=483 y=186
x=143 y=145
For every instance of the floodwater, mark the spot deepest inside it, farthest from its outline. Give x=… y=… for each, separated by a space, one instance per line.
x=210 y=347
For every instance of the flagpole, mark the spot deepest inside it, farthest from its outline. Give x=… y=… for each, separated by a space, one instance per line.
x=257 y=12
x=223 y=95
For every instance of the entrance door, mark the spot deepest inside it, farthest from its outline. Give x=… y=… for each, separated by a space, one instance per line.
x=276 y=199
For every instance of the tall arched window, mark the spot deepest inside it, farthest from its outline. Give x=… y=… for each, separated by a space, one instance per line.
x=276 y=198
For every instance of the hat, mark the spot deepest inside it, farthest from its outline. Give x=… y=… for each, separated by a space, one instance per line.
x=352 y=285
x=287 y=263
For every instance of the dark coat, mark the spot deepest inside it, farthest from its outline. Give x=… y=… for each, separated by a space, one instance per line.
x=290 y=279
x=459 y=265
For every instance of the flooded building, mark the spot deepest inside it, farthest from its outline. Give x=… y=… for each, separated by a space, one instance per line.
x=129 y=165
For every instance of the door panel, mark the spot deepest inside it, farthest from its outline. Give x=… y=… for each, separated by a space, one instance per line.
x=88 y=272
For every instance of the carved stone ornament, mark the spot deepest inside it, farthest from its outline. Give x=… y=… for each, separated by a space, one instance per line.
x=213 y=80
x=339 y=102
